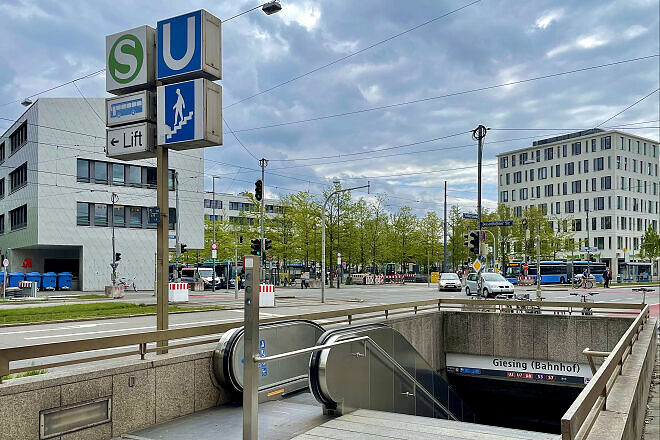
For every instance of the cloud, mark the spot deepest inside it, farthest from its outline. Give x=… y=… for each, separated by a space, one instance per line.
x=546 y=19
x=23 y=10
x=582 y=42
x=306 y=14
x=634 y=31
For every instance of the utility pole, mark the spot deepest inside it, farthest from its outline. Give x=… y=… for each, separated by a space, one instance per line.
x=176 y=226
x=114 y=198
x=336 y=182
x=162 y=244
x=213 y=215
x=236 y=269
x=428 y=270
x=538 y=263
x=479 y=134
x=444 y=260
x=263 y=163
x=588 y=247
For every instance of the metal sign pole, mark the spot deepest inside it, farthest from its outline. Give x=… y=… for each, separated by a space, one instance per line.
x=162 y=245
x=250 y=349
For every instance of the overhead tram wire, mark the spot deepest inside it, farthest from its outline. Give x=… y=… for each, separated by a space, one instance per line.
x=628 y=108
x=447 y=95
x=352 y=54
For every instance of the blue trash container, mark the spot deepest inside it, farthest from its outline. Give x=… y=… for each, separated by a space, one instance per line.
x=49 y=280
x=14 y=277
x=64 y=280
x=35 y=277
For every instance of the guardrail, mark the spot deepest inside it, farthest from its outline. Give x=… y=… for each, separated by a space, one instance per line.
x=136 y=343
x=580 y=417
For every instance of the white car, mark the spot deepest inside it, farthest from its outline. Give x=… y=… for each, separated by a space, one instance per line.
x=449 y=281
x=494 y=284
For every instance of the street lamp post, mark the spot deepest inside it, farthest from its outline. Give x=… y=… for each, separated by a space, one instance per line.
x=325 y=204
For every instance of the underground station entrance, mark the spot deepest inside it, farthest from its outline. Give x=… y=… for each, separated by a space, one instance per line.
x=454 y=374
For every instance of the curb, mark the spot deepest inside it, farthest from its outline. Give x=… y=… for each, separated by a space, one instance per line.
x=61 y=321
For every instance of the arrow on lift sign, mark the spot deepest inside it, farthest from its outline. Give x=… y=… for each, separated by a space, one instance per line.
x=114 y=142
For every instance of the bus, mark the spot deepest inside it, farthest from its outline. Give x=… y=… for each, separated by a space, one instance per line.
x=552 y=272
x=577 y=268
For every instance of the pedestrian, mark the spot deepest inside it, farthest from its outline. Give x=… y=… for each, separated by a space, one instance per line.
x=606 y=278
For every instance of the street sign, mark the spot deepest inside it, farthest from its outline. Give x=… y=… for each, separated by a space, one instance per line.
x=126 y=109
x=130 y=60
x=189 y=47
x=190 y=114
x=214 y=246
x=154 y=214
x=525 y=266
x=470 y=215
x=5 y=262
x=497 y=223
x=476 y=265
x=214 y=254
x=136 y=141
x=589 y=250
x=172 y=237
x=624 y=250
x=339 y=254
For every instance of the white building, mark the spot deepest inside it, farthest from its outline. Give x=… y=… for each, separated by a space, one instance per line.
x=611 y=176
x=55 y=197
x=230 y=206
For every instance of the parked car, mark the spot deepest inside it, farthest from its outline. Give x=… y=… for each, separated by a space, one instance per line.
x=204 y=274
x=493 y=284
x=449 y=281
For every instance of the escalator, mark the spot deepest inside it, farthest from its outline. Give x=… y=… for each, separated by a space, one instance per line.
x=383 y=373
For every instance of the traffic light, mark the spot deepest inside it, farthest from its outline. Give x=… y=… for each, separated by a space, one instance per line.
x=465 y=236
x=259 y=190
x=182 y=247
x=267 y=243
x=117 y=256
x=474 y=242
x=256 y=246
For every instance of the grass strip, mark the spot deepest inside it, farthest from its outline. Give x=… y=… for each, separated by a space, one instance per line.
x=25 y=374
x=81 y=311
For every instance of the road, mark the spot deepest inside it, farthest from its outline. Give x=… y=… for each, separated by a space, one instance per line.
x=289 y=302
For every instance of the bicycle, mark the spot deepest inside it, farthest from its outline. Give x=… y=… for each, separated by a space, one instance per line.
x=585 y=310
x=582 y=282
x=126 y=283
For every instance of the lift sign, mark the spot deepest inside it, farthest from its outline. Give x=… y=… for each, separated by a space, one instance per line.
x=263 y=368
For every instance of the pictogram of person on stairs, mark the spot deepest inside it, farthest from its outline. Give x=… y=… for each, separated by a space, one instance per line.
x=178 y=107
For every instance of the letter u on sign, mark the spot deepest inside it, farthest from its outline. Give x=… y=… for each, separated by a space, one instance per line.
x=189 y=47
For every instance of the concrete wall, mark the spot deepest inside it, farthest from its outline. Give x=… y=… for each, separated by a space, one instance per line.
x=626 y=401
x=143 y=393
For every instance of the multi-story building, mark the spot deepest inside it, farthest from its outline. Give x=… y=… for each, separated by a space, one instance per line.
x=609 y=177
x=56 y=211
x=235 y=208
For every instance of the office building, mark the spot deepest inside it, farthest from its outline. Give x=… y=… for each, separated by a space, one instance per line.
x=56 y=187
x=610 y=176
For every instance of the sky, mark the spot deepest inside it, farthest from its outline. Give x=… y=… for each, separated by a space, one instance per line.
x=357 y=90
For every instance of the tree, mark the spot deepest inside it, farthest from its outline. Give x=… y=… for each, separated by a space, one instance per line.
x=651 y=244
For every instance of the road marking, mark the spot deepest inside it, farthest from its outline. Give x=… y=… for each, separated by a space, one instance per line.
x=68 y=327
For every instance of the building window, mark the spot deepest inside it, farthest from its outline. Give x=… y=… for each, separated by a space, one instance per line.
x=523 y=193
x=569 y=169
x=576 y=186
x=18 y=138
x=118 y=216
x=504 y=162
x=172 y=220
x=569 y=206
x=152 y=177
x=235 y=206
x=18 y=218
x=83 y=170
x=557 y=173
x=531 y=175
x=599 y=203
x=557 y=207
x=606 y=182
x=2 y=223
x=599 y=164
x=517 y=211
x=117 y=174
x=504 y=196
x=543 y=173
x=577 y=225
x=593 y=145
x=100 y=214
x=508 y=178
x=134 y=217
x=547 y=190
x=170 y=180
x=513 y=195
x=2 y=188
x=593 y=184
x=2 y=152
x=599 y=242
x=606 y=143
x=576 y=148
x=513 y=160
x=82 y=214
x=606 y=222
x=547 y=154
x=18 y=178
x=100 y=172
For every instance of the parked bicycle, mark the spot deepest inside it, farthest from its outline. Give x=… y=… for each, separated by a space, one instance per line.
x=582 y=282
x=127 y=283
x=586 y=310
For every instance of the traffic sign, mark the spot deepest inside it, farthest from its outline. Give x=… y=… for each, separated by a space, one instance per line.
x=214 y=246
x=130 y=60
x=190 y=114
x=172 y=236
x=470 y=215
x=497 y=223
x=525 y=266
x=214 y=254
x=136 y=141
x=189 y=47
x=5 y=262
x=339 y=254
x=476 y=265
x=154 y=214
x=589 y=250
x=624 y=250
x=126 y=109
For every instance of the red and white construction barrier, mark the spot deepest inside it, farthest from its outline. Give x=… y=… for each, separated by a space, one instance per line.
x=266 y=295
x=27 y=284
x=178 y=292
x=29 y=288
x=397 y=279
x=526 y=280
